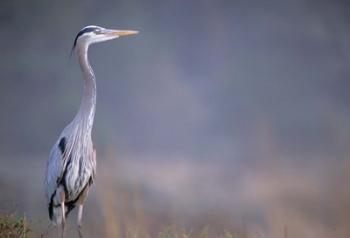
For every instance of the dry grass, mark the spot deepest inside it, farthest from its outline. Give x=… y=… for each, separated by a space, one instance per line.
x=202 y=233
x=189 y=200
x=13 y=227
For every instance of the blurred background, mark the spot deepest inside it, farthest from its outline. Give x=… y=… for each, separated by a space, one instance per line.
x=219 y=116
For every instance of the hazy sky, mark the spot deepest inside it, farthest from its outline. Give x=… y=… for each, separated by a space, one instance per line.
x=208 y=79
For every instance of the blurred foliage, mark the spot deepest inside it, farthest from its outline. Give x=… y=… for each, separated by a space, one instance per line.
x=13 y=227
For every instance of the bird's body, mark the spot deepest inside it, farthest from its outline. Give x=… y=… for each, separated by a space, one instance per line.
x=71 y=166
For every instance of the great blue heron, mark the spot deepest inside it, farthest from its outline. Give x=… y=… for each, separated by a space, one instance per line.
x=71 y=166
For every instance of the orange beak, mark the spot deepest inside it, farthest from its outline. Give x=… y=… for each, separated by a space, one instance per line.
x=123 y=32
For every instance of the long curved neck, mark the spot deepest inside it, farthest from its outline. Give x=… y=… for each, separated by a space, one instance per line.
x=87 y=108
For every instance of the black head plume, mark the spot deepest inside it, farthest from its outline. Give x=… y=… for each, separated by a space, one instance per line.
x=81 y=32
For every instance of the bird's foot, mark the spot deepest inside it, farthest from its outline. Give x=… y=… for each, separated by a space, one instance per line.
x=80 y=231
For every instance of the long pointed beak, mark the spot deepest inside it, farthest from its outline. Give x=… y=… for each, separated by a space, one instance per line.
x=121 y=32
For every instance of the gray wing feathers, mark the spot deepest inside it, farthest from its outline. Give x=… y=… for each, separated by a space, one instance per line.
x=82 y=167
x=54 y=170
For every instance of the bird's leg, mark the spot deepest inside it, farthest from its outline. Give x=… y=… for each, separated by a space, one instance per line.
x=63 y=214
x=80 y=215
x=81 y=201
x=63 y=220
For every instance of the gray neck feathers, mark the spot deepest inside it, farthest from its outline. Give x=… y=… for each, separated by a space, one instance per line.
x=85 y=116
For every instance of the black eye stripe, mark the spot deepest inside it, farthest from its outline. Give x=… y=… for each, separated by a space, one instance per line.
x=85 y=30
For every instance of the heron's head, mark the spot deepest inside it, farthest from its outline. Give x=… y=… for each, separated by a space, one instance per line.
x=93 y=34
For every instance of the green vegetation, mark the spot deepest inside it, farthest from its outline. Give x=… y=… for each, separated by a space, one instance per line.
x=13 y=227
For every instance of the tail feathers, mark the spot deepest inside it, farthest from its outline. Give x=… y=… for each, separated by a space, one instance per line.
x=55 y=212
x=69 y=207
